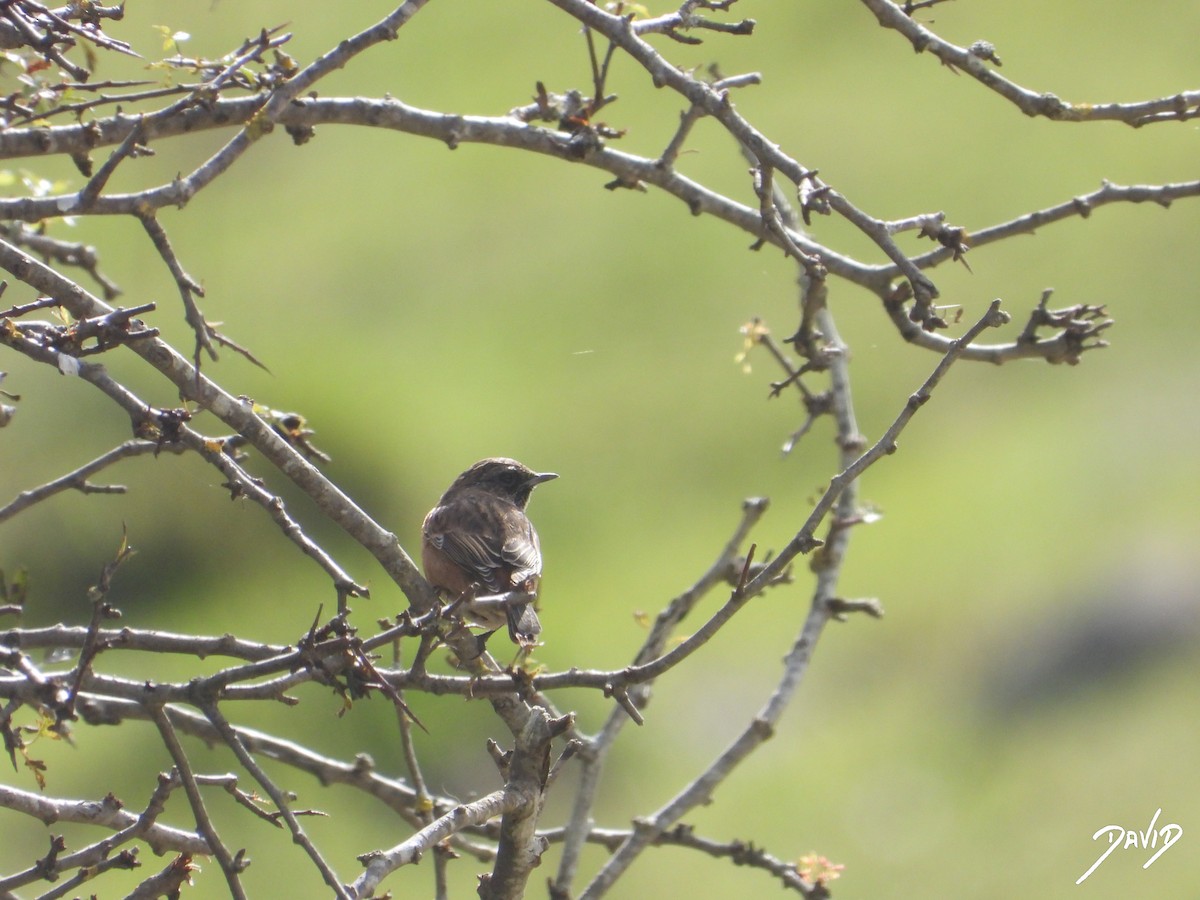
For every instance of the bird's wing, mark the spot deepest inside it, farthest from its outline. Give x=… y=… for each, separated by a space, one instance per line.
x=501 y=552
x=522 y=553
x=468 y=549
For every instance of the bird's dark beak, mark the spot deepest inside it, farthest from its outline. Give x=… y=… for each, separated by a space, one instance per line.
x=543 y=476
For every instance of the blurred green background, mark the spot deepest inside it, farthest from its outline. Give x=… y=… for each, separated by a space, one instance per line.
x=1034 y=679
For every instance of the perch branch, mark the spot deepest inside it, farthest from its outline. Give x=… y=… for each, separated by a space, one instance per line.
x=980 y=62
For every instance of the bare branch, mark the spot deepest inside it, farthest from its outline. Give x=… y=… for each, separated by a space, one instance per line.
x=229 y=409
x=596 y=750
x=78 y=480
x=229 y=866
x=107 y=813
x=382 y=863
x=633 y=170
x=257 y=89
x=231 y=739
x=189 y=288
x=974 y=61
x=167 y=427
x=738 y=852
x=804 y=541
x=795 y=664
x=67 y=253
x=167 y=882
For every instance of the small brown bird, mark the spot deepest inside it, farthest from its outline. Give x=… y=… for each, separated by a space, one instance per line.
x=478 y=541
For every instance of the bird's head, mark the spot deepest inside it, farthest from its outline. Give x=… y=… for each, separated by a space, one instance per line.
x=502 y=477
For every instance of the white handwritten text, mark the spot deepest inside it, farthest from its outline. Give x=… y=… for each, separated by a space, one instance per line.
x=1126 y=838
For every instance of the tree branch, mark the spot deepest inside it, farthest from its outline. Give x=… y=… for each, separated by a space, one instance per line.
x=381 y=863
x=974 y=61
x=78 y=480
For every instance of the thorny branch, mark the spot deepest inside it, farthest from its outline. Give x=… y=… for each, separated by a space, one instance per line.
x=382 y=863
x=741 y=853
x=78 y=480
x=230 y=866
x=629 y=169
x=841 y=494
x=978 y=60
x=256 y=88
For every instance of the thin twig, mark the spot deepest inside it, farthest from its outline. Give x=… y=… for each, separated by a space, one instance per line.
x=188 y=287
x=505 y=131
x=739 y=852
x=231 y=739
x=596 y=751
x=168 y=428
x=804 y=540
x=761 y=727
x=235 y=413
x=974 y=61
x=382 y=863
x=204 y=824
x=78 y=480
x=105 y=812
x=126 y=149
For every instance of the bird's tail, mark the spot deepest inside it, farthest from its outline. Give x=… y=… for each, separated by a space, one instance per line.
x=523 y=624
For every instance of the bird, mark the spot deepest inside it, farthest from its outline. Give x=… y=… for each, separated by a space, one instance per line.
x=478 y=541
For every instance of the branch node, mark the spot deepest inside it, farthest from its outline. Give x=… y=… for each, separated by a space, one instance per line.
x=840 y=609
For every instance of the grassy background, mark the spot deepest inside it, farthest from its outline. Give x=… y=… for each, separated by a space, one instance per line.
x=424 y=308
